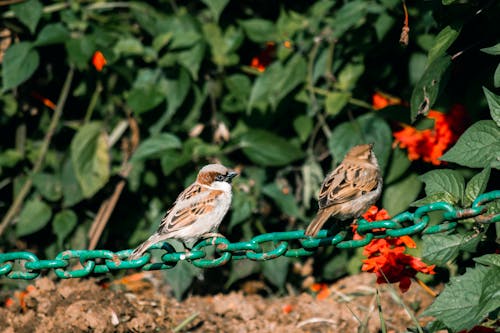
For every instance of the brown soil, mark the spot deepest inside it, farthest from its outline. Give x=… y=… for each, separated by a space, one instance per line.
x=77 y=305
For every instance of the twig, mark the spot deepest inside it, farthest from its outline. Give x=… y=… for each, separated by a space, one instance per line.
x=18 y=201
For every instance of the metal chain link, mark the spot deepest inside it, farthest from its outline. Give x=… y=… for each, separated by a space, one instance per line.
x=26 y=265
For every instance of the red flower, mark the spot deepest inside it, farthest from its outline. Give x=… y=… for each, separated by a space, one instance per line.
x=386 y=257
x=98 y=60
x=264 y=58
x=430 y=144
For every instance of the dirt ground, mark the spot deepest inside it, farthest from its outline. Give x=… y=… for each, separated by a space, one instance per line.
x=133 y=305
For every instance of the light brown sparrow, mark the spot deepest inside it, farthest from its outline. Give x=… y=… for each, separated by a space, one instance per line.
x=349 y=190
x=198 y=210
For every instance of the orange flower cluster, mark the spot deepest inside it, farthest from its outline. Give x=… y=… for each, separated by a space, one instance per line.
x=264 y=58
x=429 y=144
x=386 y=257
x=98 y=60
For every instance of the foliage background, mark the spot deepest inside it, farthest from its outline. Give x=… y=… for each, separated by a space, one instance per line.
x=178 y=92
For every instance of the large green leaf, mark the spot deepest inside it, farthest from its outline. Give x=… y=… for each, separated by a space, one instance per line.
x=64 y=223
x=33 y=217
x=440 y=248
x=156 y=146
x=29 y=13
x=444 y=181
x=71 y=189
x=397 y=196
x=285 y=201
x=367 y=128
x=494 y=105
x=90 y=158
x=276 y=270
x=80 y=50
x=478 y=147
x=443 y=41
x=267 y=149
x=428 y=87
x=476 y=186
x=468 y=298
x=48 y=185
x=54 y=33
x=259 y=30
x=19 y=63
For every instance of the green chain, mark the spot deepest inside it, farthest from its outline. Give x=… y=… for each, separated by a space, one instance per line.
x=104 y=261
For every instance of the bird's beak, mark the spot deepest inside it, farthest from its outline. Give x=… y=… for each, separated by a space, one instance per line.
x=230 y=175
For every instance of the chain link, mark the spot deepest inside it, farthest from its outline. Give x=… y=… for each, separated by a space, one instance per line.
x=27 y=266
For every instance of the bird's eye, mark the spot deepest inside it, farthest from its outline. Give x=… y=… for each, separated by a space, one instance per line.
x=219 y=178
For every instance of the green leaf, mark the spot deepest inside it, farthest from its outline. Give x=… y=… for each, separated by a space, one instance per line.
x=494 y=105
x=19 y=62
x=90 y=158
x=245 y=206
x=496 y=77
x=48 y=185
x=444 y=181
x=64 y=223
x=238 y=86
x=267 y=149
x=476 y=186
x=468 y=298
x=29 y=13
x=33 y=217
x=295 y=71
x=489 y=260
x=156 y=146
x=145 y=98
x=398 y=165
x=312 y=177
x=352 y=14
x=441 y=196
x=368 y=128
x=349 y=75
x=80 y=50
x=478 y=147
x=443 y=41
x=176 y=91
x=335 y=102
x=397 y=196
x=216 y=7
x=128 y=46
x=10 y=157
x=286 y=202
x=303 y=126
x=493 y=50
x=259 y=30
x=72 y=192
x=276 y=270
x=440 y=248
x=191 y=59
x=428 y=87
x=446 y=3
x=54 y=33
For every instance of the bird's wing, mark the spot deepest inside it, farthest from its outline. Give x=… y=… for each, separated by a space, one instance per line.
x=194 y=202
x=347 y=182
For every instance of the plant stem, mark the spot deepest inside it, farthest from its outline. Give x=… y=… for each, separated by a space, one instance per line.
x=185 y=322
x=18 y=201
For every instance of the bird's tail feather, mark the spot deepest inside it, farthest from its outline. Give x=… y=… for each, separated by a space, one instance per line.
x=318 y=222
x=139 y=251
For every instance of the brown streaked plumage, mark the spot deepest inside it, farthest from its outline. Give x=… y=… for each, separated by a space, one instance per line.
x=349 y=190
x=197 y=211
